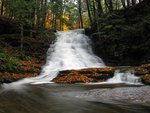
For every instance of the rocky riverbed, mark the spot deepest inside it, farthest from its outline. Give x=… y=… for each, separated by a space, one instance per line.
x=132 y=95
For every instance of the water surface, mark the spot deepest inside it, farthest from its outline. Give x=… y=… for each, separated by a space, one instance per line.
x=56 y=98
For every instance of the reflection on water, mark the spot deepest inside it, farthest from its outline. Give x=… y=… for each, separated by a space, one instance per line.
x=54 y=98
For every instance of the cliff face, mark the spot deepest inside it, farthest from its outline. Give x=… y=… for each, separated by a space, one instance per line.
x=123 y=37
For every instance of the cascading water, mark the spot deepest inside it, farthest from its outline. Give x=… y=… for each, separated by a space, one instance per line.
x=124 y=77
x=71 y=50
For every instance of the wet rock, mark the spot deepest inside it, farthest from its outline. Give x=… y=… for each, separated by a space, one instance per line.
x=143 y=72
x=140 y=70
x=146 y=79
x=101 y=74
x=84 y=75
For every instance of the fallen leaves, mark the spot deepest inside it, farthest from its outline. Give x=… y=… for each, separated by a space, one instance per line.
x=29 y=68
x=84 y=75
x=100 y=74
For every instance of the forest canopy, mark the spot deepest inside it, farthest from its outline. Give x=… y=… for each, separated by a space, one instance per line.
x=60 y=14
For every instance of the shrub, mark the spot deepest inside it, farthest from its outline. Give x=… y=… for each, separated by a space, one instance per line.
x=8 y=63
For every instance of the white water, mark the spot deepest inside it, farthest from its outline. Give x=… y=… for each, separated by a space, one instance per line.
x=71 y=50
x=124 y=77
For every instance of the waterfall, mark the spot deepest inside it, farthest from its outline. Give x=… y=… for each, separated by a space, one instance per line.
x=71 y=50
x=124 y=77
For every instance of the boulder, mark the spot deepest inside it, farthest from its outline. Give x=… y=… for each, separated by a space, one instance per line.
x=84 y=75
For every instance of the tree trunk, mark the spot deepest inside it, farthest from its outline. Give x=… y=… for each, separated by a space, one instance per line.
x=94 y=9
x=128 y=3
x=133 y=2
x=123 y=3
x=100 y=9
x=53 y=23
x=22 y=37
x=110 y=5
x=140 y=1
x=37 y=14
x=45 y=13
x=118 y=5
x=31 y=31
x=89 y=13
x=42 y=14
x=80 y=13
x=6 y=7
x=106 y=5
x=2 y=7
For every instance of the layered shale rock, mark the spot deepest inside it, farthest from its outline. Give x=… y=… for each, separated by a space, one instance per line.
x=101 y=74
x=84 y=75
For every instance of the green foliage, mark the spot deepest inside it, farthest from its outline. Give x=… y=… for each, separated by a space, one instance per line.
x=45 y=34
x=119 y=36
x=8 y=63
x=23 y=9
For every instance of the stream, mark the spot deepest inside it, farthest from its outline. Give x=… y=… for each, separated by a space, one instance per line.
x=123 y=93
x=75 y=98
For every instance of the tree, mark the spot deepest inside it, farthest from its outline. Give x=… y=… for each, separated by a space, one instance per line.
x=23 y=10
x=109 y=4
x=123 y=3
x=88 y=8
x=80 y=13
x=128 y=3
x=100 y=9
x=133 y=2
x=2 y=7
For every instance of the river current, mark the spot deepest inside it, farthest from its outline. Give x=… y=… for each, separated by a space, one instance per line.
x=72 y=50
x=75 y=98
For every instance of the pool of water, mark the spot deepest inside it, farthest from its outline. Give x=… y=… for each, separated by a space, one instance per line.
x=75 y=98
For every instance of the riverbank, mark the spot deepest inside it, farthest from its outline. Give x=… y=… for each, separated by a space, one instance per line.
x=28 y=68
x=14 y=66
x=14 y=63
